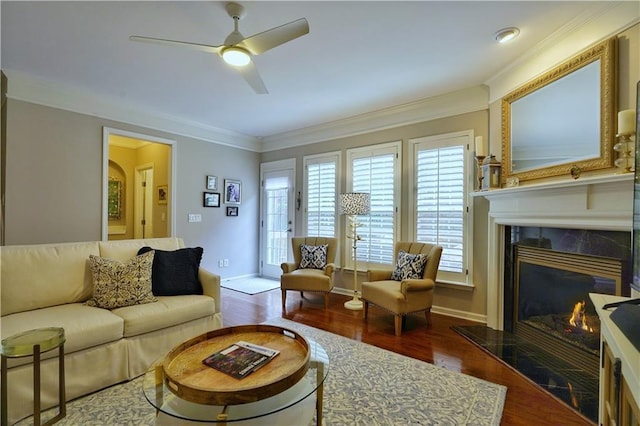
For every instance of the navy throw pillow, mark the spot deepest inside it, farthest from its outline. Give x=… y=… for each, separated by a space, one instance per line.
x=175 y=273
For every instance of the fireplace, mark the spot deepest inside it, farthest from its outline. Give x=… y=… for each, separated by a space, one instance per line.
x=550 y=274
x=590 y=217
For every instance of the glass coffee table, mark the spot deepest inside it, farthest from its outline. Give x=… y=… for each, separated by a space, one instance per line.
x=185 y=391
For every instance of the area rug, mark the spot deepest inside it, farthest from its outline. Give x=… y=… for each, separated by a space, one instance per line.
x=251 y=285
x=366 y=385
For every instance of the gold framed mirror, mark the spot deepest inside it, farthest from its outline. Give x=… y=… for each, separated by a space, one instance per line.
x=562 y=119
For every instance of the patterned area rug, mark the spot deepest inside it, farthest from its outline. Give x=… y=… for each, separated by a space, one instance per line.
x=251 y=285
x=366 y=386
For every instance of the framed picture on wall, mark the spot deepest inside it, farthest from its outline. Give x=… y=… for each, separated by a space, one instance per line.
x=232 y=211
x=232 y=191
x=211 y=199
x=212 y=182
x=163 y=194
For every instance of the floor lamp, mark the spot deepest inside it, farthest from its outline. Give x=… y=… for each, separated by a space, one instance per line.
x=352 y=205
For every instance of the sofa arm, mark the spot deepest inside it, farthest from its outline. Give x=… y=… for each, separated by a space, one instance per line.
x=379 y=274
x=288 y=267
x=210 y=286
x=410 y=285
x=328 y=269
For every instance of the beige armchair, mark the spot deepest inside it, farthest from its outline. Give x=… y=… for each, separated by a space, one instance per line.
x=408 y=295
x=309 y=279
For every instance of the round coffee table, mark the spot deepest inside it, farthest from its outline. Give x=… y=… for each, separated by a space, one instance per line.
x=180 y=386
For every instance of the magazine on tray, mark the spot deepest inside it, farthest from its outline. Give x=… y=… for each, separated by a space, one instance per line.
x=240 y=359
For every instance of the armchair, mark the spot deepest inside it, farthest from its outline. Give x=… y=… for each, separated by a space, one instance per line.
x=406 y=295
x=310 y=278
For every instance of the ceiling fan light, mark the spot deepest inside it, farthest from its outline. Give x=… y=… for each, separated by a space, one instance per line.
x=236 y=56
x=507 y=34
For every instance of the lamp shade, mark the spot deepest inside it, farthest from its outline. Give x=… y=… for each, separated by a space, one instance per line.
x=354 y=203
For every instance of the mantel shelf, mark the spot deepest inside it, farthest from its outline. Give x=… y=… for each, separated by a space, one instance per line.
x=555 y=184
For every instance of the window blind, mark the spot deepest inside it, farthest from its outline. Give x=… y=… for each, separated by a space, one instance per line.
x=440 y=202
x=375 y=174
x=321 y=198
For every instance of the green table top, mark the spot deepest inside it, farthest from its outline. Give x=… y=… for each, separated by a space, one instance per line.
x=22 y=344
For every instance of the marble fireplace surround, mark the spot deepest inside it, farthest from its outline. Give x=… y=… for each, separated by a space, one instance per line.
x=603 y=202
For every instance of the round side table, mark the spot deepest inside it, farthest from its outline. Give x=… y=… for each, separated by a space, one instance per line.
x=33 y=343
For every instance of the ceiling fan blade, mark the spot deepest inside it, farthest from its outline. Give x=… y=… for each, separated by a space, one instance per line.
x=261 y=42
x=189 y=45
x=250 y=74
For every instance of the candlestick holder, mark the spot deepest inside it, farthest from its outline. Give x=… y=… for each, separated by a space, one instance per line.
x=626 y=154
x=479 y=160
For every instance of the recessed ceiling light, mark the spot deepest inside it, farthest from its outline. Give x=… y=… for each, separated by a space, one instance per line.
x=507 y=34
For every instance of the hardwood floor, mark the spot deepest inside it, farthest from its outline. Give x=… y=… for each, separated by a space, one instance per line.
x=526 y=403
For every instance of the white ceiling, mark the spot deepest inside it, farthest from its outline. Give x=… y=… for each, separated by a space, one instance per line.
x=358 y=57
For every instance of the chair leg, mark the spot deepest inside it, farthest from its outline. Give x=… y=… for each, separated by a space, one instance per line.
x=284 y=299
x=365 y=306
x=301 y=294
x=398 y=324
x=326 y=301
x=427 y=315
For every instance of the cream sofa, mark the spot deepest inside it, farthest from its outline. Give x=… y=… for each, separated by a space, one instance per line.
x=46 y=285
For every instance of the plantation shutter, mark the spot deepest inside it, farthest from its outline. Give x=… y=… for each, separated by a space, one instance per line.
x=376 y=174
x=321 y=198
x=440 y=202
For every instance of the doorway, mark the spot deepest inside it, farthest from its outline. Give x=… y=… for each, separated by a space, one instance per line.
x=276 y=215
x=138 y=186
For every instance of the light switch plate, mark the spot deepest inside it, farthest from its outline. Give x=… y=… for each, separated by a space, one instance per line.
x=195 y=217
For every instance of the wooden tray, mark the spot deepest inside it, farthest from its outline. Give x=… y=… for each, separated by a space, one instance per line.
x=188 y=378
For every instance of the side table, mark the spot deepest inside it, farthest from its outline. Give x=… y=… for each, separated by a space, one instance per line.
x=34 y=343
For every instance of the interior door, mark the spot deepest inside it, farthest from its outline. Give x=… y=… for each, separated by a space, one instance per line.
x=277 y=216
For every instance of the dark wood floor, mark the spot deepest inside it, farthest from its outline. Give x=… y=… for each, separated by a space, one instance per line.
x=526 y=403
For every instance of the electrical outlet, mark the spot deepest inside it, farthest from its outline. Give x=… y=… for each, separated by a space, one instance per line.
x=220 y=263
x=226 y=263
x=195 y=217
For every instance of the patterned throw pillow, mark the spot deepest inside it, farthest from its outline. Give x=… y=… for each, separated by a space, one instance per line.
x=313 y=257
x=409 y=266
x=117 y=284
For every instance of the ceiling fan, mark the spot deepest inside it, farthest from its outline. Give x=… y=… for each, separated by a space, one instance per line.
x=237 y=50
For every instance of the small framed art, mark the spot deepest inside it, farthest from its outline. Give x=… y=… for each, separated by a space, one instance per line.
x=163 y=193
x=211 y=199
x=212 y=183
x=232 y=191
x=232 y=211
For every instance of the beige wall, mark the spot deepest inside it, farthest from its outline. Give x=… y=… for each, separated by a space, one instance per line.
x=450 y=299
x=54 y=185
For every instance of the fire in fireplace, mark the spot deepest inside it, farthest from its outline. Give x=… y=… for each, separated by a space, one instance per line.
x=551 y=305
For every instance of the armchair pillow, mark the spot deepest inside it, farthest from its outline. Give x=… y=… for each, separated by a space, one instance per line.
x=409 y=266
x=313 y=257
x=175 y=273
x=117 y=284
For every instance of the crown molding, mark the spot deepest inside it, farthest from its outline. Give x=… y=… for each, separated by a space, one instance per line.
x=597 y=24
x=24 y=87
x=447 y=105
x=27 y=88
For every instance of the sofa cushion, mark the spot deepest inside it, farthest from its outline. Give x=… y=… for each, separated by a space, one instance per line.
x=313 y=257
x=175 y=273
x=43 y=275
x=123 y=250
x=409 y=265
x=84 y=326
x=117 y=284
x=166 y=312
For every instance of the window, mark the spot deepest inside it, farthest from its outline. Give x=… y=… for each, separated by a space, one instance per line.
x=376 y=170
x=439 y=205
x=321 y=186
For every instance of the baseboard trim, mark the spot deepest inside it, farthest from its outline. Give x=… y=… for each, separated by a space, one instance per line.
x=435 y=309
